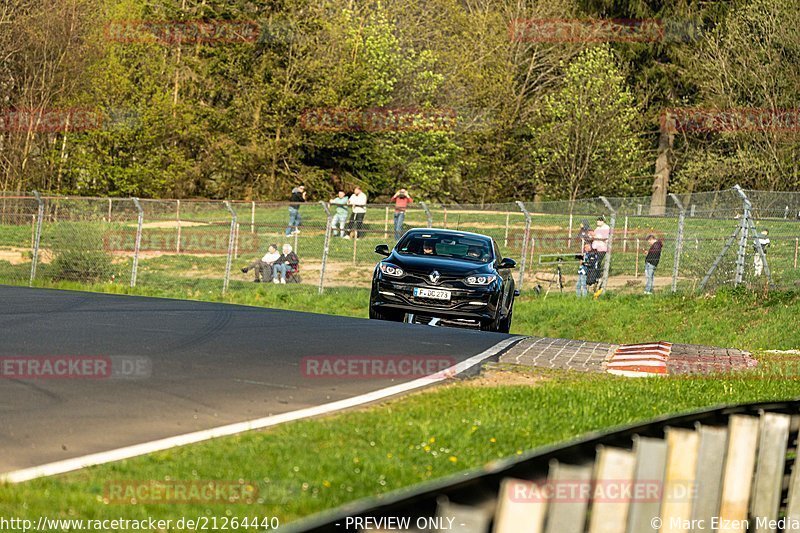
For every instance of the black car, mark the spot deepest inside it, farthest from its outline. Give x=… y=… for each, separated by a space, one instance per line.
x=453 y=276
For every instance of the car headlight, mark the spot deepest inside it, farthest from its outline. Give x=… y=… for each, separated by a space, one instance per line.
x=484 y=279
x=391 y=270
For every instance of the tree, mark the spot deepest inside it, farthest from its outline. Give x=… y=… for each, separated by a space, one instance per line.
x=585 y=142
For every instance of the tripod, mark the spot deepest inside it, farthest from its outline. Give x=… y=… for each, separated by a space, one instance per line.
x=559 y=278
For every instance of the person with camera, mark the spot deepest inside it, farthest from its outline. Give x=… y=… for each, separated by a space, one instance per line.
x=401 y=200
x=587 y=271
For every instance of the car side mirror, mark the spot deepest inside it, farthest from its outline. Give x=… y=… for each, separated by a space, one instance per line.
x=383 y=249
x=507 y=263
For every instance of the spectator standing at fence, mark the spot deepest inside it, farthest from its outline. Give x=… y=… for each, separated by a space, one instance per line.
x=651 y=262
x=263 y=268
x=401 y=200
x=758 y=264
x=588 y=266
x=298 y=197
x=340 y=216
x=600 y=237
x=358 y=201
x=585 y=234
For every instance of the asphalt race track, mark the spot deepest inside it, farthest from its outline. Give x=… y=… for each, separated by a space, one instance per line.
x=203 y=365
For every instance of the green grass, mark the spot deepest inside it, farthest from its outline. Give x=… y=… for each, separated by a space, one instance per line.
x=313 y=465
x=309 y=466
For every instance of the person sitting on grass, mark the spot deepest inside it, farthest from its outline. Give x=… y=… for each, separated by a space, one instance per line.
x=263 y=267
x=288 y=262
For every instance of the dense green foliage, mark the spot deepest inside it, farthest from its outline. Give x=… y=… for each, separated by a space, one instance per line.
x=223 y=117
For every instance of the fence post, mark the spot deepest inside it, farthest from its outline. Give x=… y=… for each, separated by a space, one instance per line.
x=612 y=225
x=109 y=209
x=748 y=224
x=505 y=236
x=743 y=230
x=137 y=245
x=625 y=236
x=253 y=216
x=525 y=239
x=178 y=222
x=326 y=246
x=236 y=242
x=678 y=241
x=38 y=236
x=231 y=237
x=386 y=223
x=427 y=213
x=569 y=233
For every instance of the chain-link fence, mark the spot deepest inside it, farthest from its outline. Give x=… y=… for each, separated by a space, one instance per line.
x=707 y=240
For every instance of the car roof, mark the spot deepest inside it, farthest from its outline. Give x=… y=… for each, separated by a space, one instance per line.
x=448 y=232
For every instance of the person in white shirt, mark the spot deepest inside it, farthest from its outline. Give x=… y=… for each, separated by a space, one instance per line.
x=358 y=201
x=263 y=267
x=758 y=264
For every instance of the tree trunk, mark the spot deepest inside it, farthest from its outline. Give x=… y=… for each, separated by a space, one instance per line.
x=658 y=202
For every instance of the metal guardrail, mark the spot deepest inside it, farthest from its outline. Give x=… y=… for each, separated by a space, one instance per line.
x=724 y=463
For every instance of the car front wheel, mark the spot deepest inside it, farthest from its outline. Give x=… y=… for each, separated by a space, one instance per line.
x=385 y=314
x=504 y=324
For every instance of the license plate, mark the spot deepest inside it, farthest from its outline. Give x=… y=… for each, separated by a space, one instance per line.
x=434 y=294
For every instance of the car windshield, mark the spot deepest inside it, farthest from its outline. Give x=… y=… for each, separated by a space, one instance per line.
x=467 y=247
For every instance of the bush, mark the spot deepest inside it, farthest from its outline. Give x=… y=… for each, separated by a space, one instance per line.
x=80 y=255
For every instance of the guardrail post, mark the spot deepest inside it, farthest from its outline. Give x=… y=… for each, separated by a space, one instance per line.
x=231 y=237
x=140 y=220
x=678 y=241
x=612 y=225
x=38 y=236
x=427 y=213
x=525 y=238
x=326 y=247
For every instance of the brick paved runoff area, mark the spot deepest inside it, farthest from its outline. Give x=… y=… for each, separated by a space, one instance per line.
x=657 y=358
x=559 y=353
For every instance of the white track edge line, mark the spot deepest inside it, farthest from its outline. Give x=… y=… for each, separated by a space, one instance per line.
x=127 y=452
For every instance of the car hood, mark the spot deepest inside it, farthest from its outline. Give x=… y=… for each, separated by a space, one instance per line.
x=445 y=266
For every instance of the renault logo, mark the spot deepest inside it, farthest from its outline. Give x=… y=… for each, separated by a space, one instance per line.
x=434 y=277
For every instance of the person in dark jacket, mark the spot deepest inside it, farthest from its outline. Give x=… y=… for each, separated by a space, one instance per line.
x=298 y=197
x=651 y=262
x=587 y=269
x=287 y=263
